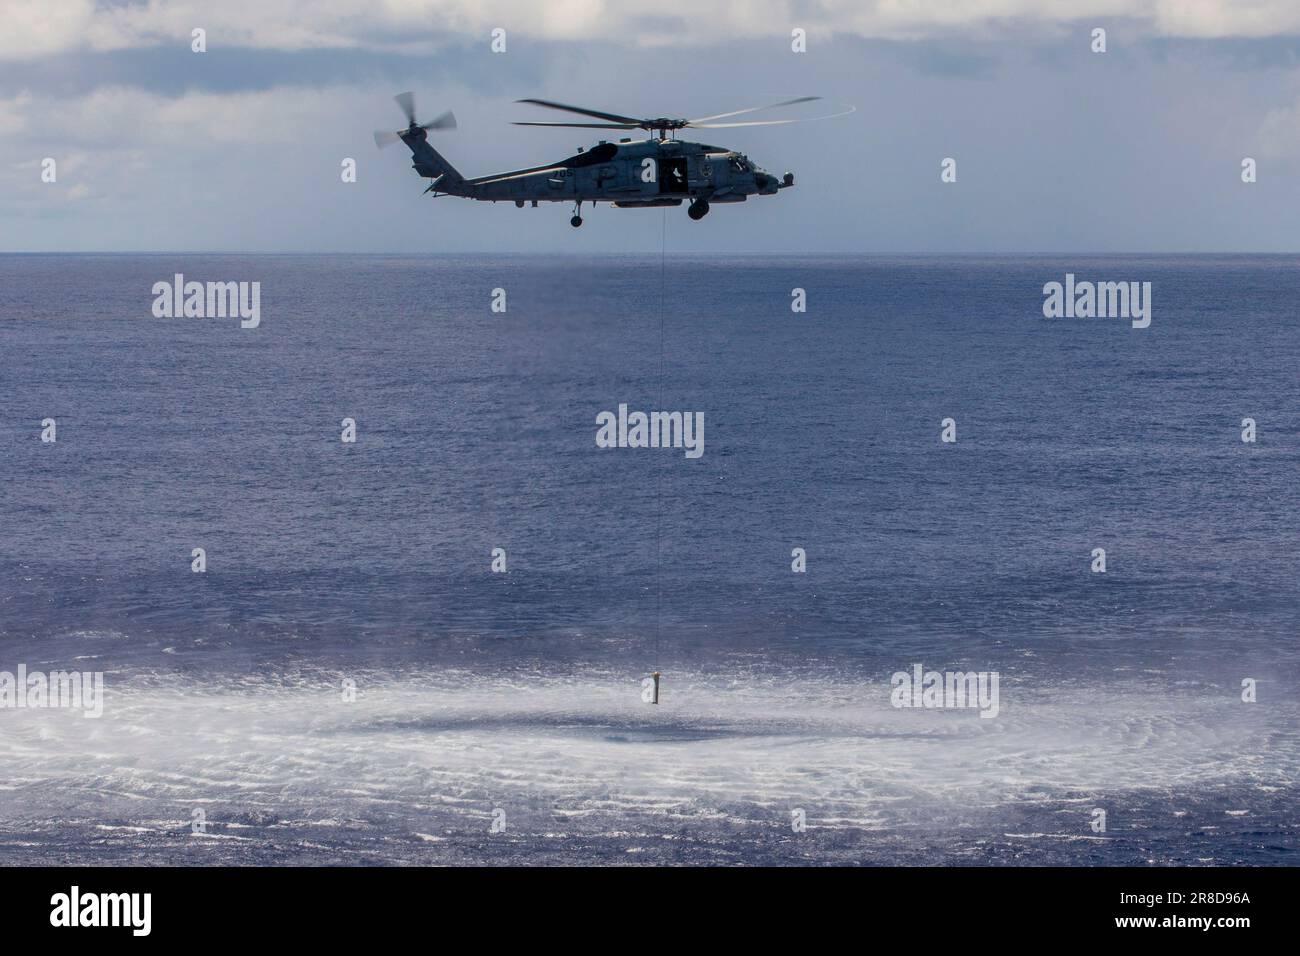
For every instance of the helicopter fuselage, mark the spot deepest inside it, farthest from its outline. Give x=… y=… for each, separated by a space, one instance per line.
x=629 y=174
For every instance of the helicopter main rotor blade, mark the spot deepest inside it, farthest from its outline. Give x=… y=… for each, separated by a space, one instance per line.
x=611 y=117
x=754 y=109
x=586 y=125
x=748 y=123
x=806 y=119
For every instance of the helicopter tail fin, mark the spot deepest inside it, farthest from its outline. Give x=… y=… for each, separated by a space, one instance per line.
x=429 y=163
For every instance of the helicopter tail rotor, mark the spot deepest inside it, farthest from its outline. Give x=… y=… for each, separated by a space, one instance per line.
x=406 y=102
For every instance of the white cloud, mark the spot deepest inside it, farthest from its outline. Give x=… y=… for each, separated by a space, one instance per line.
x=35 y=28
x=131 y=116
x=1226 y=18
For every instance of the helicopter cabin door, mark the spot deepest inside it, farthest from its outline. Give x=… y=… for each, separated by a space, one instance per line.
x=672 y=176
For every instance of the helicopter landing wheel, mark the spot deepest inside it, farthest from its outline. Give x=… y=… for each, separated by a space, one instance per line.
x=698 y=209
x=575 y=222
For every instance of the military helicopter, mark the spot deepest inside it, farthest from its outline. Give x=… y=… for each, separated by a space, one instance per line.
x=631 y=174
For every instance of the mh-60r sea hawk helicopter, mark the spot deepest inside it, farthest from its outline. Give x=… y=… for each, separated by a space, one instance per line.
x=631 y=174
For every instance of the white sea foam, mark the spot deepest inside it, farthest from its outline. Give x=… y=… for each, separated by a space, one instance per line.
x=735 y=739
x=430 y=753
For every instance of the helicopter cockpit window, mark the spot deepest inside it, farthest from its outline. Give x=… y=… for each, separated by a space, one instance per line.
x=740 y=164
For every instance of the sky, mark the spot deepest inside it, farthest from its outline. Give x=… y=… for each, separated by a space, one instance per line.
x=1058 y=148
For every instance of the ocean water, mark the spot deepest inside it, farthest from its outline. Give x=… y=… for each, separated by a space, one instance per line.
x=498 y=717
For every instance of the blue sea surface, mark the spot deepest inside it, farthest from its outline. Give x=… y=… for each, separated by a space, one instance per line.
x=370 y=563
